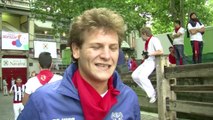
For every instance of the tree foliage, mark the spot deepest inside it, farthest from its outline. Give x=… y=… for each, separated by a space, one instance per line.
x=136 y=13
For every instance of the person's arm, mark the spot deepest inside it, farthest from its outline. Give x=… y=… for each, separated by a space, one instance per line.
x=28 y=91
x=11 y=90
x=158 y=48
x=25 y=98
x=157 y=52
x=30 y=111
x=202 y=29
x=191 y=29
x=180 y=32
x=177 y=35
x=195 y=30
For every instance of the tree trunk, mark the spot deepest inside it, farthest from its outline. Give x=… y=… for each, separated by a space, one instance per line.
x=172 y=10
x=182 y=15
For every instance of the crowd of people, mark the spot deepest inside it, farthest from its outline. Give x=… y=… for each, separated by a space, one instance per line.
x=21 y=92
x=91 y=87
x=195 y=30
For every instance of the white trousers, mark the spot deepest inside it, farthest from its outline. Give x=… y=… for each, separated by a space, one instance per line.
x=141 y=74
x=5 y=91
x=17 y=108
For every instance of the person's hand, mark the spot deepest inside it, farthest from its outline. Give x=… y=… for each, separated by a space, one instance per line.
x=145 y=54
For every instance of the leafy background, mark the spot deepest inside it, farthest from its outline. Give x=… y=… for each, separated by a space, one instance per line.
x=160 y=14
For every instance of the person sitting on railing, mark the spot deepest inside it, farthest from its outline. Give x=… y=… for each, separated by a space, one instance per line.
x=153 y=47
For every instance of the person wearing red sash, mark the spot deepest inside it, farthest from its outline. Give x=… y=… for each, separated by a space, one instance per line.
x=178 y=43
x=18 y=91
x=44 y=76
x=91 y=89
x=196 y=30
x=152 y=48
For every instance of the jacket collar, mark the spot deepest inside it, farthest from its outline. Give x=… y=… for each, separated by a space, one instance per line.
x=67 y=87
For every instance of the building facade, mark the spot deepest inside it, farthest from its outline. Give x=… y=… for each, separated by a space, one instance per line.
x=22 y=38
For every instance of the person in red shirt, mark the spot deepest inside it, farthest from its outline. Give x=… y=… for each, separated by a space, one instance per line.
x=134 y=64
x=172 y=55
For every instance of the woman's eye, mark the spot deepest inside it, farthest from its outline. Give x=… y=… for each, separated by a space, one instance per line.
x=95 y=47
x=114 y=48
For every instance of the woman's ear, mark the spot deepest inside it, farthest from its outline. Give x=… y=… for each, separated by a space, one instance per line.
x=75 y=50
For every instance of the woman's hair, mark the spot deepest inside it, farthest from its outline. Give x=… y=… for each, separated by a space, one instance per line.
x=178 y=22
x=45 y=60
x=190 y=16
x=94 y=19
x=147 y=31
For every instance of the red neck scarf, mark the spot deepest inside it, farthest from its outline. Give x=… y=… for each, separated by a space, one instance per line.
x=147 y=43
x=176 y=29
x=44 y=76
x=93 y=105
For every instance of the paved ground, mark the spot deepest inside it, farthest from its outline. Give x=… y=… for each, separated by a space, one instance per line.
x=149 y=116
x=6 y=110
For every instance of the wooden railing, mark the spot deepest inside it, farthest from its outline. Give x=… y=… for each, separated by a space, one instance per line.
x=167 y=82
x=167 y=78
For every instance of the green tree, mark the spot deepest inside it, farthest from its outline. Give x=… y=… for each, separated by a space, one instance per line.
x=136 y=13
x=170 y=10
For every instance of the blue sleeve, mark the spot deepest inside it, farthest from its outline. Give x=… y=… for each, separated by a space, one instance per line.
x=30 y=111
x=137 y=110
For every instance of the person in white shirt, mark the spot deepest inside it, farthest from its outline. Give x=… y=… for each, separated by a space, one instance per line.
x=45 y=76
x=152 y=48
x=18 y=91
x=5 y=89
x=12 y=81
x=196 y=30
x=178 y=43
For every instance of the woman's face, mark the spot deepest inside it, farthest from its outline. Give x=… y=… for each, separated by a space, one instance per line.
x=98 y=56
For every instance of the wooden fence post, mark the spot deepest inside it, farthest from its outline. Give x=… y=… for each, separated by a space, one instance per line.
x=172 y=94
x=163 y=91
